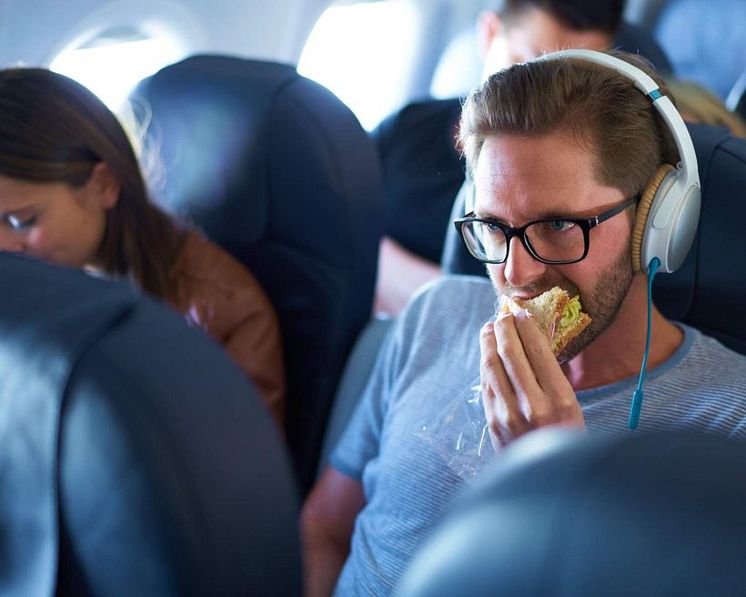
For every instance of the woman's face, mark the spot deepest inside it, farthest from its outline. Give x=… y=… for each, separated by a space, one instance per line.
x=53 y=221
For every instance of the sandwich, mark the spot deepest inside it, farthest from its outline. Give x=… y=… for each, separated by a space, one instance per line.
x=559 y=315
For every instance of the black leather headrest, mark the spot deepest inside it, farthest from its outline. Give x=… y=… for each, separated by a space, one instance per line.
x=566 y=514
x=709 y=289
x=136 y=458
x=277 y=170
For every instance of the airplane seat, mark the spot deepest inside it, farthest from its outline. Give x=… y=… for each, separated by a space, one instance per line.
x=136 y=458
x=708 y=289
x=275 y=169
x=564 y=513
x=705 y=42
x=456 y=259
x=355 y=378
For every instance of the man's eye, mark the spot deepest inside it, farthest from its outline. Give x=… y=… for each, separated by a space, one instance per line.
x=560 y=225
x=20 y=223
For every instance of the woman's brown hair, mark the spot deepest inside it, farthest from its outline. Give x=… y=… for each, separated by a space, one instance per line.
x=52 y=129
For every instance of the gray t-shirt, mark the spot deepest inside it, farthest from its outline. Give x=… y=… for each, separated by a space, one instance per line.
x=404 y=441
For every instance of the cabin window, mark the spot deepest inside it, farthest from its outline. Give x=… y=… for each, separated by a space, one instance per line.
x=459 y=68
x=363 y=53
x=112 y=63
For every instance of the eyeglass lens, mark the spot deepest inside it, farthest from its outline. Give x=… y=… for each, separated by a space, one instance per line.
x=554 y=240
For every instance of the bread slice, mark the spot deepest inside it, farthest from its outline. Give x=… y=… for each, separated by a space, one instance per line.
x=545 y=308
x=559 y=316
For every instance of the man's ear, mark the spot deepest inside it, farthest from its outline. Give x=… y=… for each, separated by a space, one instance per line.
x=489 y=26
x=103 y=187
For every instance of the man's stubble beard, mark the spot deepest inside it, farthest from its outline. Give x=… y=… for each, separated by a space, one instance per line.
x=603 y=304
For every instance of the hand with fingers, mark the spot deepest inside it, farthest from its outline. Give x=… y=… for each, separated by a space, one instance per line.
x=523 y=385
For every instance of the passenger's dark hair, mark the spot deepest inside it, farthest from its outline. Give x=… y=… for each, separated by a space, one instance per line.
x=52 y=129
x=580 y=15
x=595 y=105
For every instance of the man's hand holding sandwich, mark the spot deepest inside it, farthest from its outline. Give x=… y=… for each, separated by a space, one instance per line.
x=523 y=385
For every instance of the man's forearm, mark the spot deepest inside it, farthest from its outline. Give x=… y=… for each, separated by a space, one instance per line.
x=322 y=562
x=400 y=274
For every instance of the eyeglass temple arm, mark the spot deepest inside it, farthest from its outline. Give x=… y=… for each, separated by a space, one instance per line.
x=614 y=211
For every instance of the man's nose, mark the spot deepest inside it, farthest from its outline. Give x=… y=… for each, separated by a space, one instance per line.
x=521 y=269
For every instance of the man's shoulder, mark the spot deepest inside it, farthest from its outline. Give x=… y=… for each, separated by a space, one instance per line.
x=705 y=390
x=708 y=351
x=453 y=298
x=705 y=367
x=458 y=287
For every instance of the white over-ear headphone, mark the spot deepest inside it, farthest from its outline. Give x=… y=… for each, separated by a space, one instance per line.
x=668 y=211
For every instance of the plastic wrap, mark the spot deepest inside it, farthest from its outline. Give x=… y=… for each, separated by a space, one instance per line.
x=459 y=434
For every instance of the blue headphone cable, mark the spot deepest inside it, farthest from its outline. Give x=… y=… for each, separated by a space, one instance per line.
x=637 y=396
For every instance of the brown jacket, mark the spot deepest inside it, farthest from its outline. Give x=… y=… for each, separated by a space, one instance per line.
x=219 y=295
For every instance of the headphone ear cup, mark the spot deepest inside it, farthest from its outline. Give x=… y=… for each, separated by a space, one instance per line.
x=641 y=217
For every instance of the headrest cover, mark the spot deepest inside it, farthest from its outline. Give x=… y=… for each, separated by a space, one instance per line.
x=567 y=514
x=132 y=446
x=43 y=337
x=277 y=170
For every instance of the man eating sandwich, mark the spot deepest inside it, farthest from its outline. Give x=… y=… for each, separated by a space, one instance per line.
x=560 y=152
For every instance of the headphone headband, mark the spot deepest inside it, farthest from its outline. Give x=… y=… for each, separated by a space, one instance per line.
x=645 y=84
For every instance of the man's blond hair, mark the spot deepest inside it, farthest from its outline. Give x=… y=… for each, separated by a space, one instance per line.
x=596 y=106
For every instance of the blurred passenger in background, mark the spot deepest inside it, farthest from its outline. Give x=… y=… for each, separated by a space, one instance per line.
x=71 y=192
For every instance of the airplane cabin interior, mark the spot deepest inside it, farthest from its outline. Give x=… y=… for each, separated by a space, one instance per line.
x=300 y=139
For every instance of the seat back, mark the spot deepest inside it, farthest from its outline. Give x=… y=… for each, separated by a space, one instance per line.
x=710 y=286
x=136 y=458
x=568 y=514
x=278 y=171
x=353 y=383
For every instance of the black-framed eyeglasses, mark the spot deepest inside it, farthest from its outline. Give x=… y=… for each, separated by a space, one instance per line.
x=553 y=241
